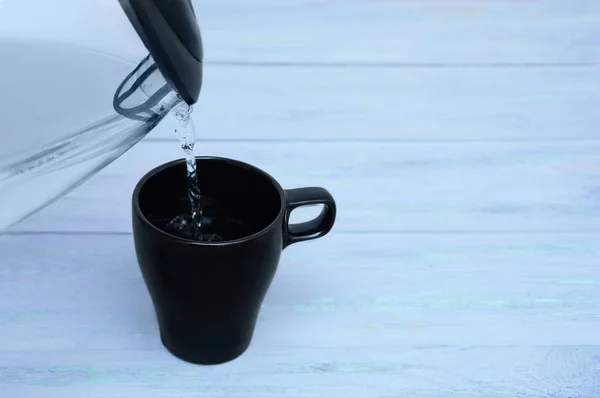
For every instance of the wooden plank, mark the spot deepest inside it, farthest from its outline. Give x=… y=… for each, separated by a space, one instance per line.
x=348 y=33
x=81 y=292
x=465 y=372
x=365 y=31
x=385 y=314
x=254 y=103
x=381 y=187
x=395 y=104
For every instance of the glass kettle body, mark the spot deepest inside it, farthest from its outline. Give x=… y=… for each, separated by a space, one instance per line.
x=83 y=82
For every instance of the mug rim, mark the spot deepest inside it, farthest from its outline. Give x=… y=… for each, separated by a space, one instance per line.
x=142 y=182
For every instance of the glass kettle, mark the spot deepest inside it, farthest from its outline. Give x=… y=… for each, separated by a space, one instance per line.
x=81 y=82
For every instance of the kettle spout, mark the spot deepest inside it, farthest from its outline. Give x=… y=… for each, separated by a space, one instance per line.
x=170 y=32
x=144 y=95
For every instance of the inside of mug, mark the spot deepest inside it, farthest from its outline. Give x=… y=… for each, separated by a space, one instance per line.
x=242 y=200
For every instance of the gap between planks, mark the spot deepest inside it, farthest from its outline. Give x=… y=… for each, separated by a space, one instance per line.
x=401 y=65
x=578 y=140
x=353 y=233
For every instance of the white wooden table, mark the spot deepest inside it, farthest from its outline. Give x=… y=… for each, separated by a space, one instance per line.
x=460 y=139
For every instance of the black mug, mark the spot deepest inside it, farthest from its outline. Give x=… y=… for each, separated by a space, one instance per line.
x=207 y=295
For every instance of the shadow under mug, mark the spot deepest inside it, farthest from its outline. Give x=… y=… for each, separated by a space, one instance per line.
x=207 y=295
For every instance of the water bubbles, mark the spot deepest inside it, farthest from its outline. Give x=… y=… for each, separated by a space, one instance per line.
x=185 y=227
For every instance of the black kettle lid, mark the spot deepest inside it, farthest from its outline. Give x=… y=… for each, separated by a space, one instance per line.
x=169 y=30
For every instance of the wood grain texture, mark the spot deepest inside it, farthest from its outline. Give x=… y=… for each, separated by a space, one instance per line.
x=398 y=104
x=468 y=316
x=459 y=139
x=399 y=31
x=381 y=187
x=465 y=372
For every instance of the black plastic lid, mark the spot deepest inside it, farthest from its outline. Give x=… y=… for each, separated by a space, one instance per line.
x=170 y=32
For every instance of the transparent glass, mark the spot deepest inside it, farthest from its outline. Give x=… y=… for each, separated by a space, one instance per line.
x=65 y=69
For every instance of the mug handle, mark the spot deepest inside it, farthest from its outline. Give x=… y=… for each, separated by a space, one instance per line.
x=313 y=229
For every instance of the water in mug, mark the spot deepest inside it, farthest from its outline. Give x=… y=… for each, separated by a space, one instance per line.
x=195 y=224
